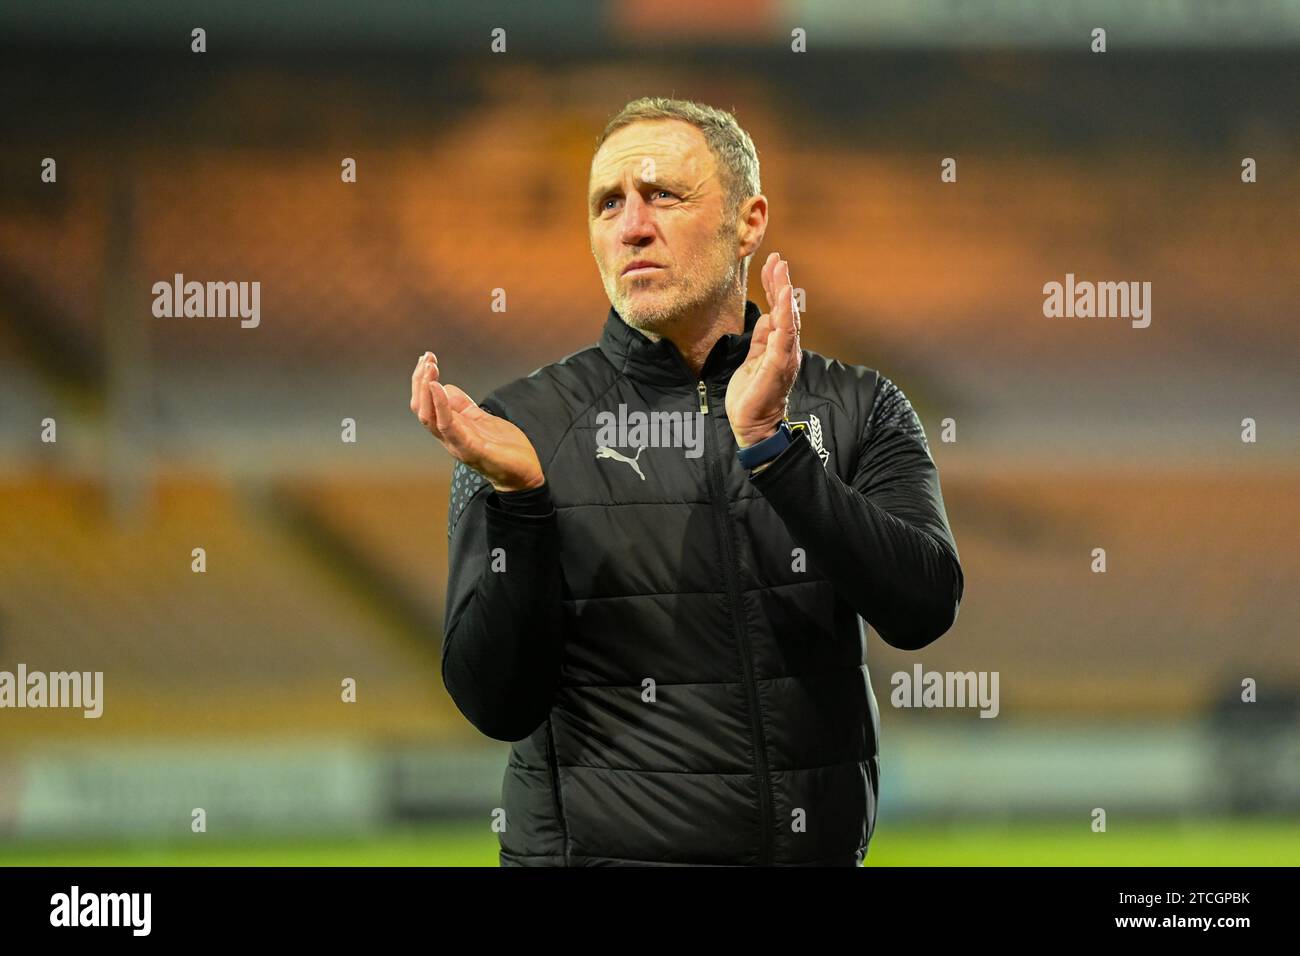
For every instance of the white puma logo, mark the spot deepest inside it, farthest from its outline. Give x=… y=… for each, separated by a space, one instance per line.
x=604 y=451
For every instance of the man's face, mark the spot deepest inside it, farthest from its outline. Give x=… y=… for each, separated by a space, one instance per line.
x=675 y=217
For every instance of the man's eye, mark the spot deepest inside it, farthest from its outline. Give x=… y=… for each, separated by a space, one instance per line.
x=606 y=204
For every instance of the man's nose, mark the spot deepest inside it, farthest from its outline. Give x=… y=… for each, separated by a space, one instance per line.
x=637 y=221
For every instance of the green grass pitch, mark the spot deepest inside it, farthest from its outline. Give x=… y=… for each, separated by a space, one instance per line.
x=1148 y=843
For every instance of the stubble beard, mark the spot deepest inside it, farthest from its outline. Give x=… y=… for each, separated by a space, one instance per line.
x=708 y=282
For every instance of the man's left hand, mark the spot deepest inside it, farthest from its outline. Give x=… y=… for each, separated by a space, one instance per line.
x=758 y=391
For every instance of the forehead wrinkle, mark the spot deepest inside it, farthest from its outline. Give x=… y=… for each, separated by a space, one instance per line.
x=682 y=166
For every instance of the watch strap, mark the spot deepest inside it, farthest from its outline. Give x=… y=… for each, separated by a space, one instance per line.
x=767 y=449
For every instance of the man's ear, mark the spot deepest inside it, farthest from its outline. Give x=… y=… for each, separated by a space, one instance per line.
x=751 y=224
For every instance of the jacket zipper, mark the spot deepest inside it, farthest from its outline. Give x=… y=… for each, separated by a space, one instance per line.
x=718 y=492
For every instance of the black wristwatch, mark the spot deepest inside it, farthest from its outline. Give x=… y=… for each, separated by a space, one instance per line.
x=767 y=449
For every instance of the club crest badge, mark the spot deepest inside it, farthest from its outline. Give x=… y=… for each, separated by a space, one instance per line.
x=812 y=427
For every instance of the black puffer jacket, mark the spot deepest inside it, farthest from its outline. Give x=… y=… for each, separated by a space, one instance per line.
x=674 y=645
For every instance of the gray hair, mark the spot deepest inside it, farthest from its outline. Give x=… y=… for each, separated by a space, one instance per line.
x=730 y=144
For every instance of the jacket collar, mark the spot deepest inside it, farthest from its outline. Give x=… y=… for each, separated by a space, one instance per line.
x=660 y=363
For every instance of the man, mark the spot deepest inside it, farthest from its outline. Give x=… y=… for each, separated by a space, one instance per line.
x=665 y=618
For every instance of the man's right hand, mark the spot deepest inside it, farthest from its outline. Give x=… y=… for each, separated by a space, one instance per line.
x=492 y=446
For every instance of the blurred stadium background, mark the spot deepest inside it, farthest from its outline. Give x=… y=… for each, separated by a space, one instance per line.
x=326 y=560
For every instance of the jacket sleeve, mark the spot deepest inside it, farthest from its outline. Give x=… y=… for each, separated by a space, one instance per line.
x=883 y=540
x=502 y=633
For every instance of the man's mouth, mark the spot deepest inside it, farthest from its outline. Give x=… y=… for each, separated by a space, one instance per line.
x=640 y=267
